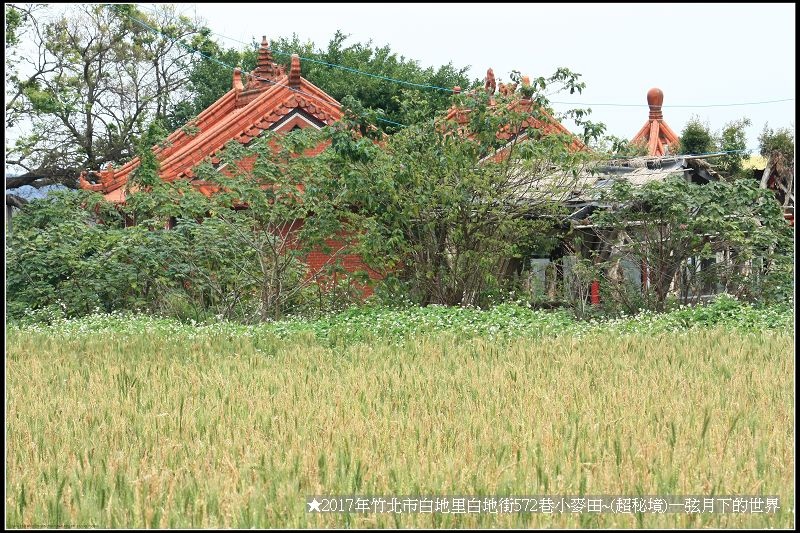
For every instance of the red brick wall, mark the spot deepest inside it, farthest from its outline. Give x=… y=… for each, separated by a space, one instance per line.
x=317 y=260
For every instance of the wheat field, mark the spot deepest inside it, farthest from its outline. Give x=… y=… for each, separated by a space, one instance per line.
x=151 y=430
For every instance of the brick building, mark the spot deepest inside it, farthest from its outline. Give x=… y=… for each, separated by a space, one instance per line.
x=266 y=99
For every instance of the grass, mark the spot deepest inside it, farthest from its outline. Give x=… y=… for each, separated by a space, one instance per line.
x=140 y=422
x=396 y=325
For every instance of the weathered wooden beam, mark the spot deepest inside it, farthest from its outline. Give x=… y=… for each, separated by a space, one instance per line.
x=767 y=171
x=15 y=201
x=789 y=190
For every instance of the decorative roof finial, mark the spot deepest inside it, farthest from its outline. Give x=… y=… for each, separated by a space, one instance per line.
x=265 y=66
x=237 y=79
x=526 y=90
x=655 y=98
x=294 y=72
x=490 y=84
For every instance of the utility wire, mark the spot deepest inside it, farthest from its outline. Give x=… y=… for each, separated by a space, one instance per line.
x=222 y=63
x=342 y=67
x=147 y=26
x=677 y=106
x=686 y=156
x=428 y=86
x=450 y=90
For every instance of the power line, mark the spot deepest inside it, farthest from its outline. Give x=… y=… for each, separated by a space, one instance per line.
x=342 y=67
x=450 y=90
x=687 y=156
x=677 y=106
x=194 y=50
x=378 y=118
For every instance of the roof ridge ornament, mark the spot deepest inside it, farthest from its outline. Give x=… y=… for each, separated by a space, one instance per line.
x=656 y=135
x=294 y=72
x=238 y=86
x=655 y=98
x=265 y=65
x=526 y=90
x=490 y=84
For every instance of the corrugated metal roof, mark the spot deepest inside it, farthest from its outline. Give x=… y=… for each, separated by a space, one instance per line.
x=29 y=192
x=587 y=186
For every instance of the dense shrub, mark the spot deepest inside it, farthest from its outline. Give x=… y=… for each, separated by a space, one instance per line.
x=59 y=257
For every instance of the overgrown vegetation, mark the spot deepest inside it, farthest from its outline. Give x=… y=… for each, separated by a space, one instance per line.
x=693 y=240
x=780 y=141
x=731 y=140
x=436 y=235
x=269 y=204
x=234 y=254
x=446 y=207
x=447 y=211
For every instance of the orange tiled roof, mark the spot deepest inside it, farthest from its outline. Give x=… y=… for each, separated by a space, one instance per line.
x=549 y=125
x=656 y=133
x=267 y=99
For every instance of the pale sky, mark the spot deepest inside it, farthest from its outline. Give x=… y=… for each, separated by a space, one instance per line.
x=698 y=54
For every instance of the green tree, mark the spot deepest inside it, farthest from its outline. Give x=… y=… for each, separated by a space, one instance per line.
x=238 y=253
x=373 y=92
x=18 y=23
x=778 y=148
x=443 y=205
x=613 y=146
x=269 y=201
x=209 y=76
x=780 y=141
x=696 y=138
x=210 y=79
x=675 y=227
x=733 y=139
x=96 y=79
x=14 y=19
